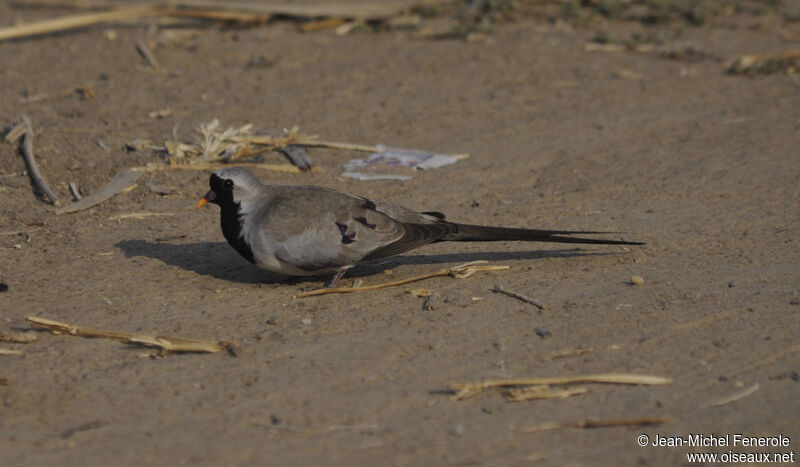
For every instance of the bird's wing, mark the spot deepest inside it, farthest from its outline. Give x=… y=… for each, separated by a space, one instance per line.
x=317 y=229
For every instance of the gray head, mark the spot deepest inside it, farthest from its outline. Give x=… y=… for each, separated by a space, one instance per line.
x=231 y=185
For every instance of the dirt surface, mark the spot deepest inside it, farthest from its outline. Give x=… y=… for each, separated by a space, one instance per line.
x=701 y=165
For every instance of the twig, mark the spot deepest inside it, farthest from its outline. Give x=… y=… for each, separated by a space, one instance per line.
x=138 y=215
x=766 y=64
x=147 y=55
x=593 y=423
x=238 y=12
x=70 y=22
x=66 y=434
x=287 y=168
x=30 y=162
x=458 y=272
x=466 y=390
x=17 y=337
x=73 y=188
x=569 y=353
x=735 y=396
x=500 y=289
x=169 y=344
x=543 y=392
x=15 y=133
x=10 y=352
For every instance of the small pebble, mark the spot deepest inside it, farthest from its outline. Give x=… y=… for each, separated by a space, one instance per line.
x=637 y=280
x=458 y=429
x=306 y=321
x=430 y=302
x=731 y=283
x=543 y=333
x=3 y=287
x=272 y=321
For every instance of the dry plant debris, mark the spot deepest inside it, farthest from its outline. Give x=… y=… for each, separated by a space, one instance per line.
x=569 y=353
x=10 y=352
x=17 y=337
x=166 y=344
x=592 y=423
x=467 y=390
x=784 y=62
x=458 y=272
x=500 y=289
x=217 y=144
x=735 y=396
x=542 y=392
x=123 y=181
x=241 y=13
x=30 y=162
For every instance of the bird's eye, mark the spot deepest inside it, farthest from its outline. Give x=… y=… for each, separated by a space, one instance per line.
x=228 y=184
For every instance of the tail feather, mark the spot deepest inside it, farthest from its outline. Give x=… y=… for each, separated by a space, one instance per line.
x=480 y=233
x=416 y=235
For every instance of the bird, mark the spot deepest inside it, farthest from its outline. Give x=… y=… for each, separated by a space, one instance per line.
x=309 y=230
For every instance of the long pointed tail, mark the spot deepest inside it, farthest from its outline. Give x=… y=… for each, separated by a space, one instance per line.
x=481 y=233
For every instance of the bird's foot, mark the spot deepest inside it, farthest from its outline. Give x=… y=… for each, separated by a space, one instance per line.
x=336 y=277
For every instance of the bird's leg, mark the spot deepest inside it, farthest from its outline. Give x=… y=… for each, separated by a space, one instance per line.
x=336 y=277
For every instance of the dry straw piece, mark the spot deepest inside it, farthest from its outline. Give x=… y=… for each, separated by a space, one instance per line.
x=735 y=396
x=167 y=344
x=591 y=423
x=244 y=13
x=542 y=392
x=458 y=272
x=17 y=337
x=467 y=390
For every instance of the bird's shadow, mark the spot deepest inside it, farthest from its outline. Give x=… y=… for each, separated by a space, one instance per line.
x=218 y=260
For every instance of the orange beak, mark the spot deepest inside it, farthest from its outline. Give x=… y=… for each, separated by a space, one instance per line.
x=207 y=198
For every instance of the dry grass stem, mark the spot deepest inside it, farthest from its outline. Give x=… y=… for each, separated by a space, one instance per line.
x=285 y=168
x=10 y=352
x=467 y=390
x=168 y=344
x=422 y=293
x=591 y=423
x=244 y=13
x=542 y=392
x=147 y=55
x=320 y=25
x=17 y=337
x=66 y=434
x=569 y=353
x=735 y=396
x=30 y=162
x=787 y=62
x=459 y=272
x=138 y=215
x=15 y=133
x=218 y=144
x=500 y=289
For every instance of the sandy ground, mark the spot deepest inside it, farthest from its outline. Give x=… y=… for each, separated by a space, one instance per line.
x=701 y=165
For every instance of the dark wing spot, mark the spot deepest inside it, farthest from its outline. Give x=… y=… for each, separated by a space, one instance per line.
x=435 y=214
x=346 y=237
x=363 y=220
